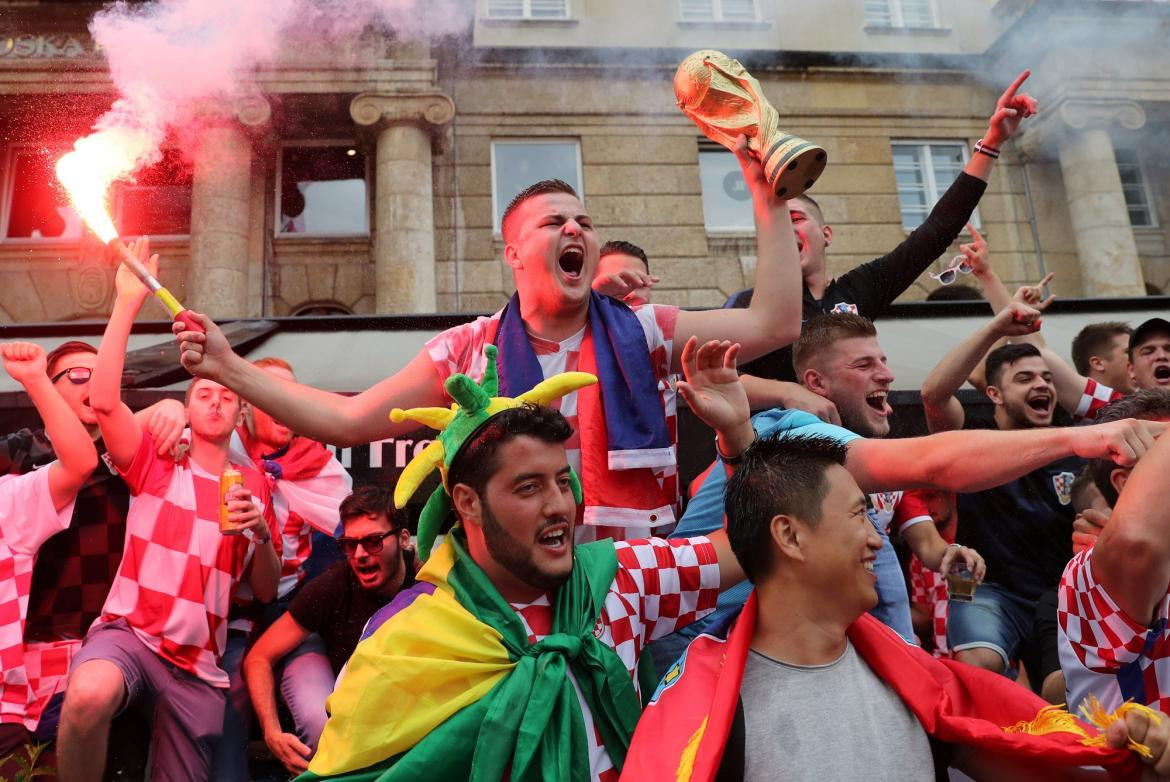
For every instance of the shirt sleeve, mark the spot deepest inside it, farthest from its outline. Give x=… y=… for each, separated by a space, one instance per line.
x=460 y=348
x=23 y=450
x=659 y=322
x=910 y=510
x=146 y=469
x=1103 y=637
x=873 y=286
x=676 y=581
x=1094 y=397
x=27 y=515
x=306 y=607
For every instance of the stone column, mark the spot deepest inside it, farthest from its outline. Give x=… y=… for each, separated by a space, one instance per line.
x=217 y=276
x=406 y=126
x=1105 y=245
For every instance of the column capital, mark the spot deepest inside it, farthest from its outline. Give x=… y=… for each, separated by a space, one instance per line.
x=251 y=111
x=1076 y=114
x=431 y=111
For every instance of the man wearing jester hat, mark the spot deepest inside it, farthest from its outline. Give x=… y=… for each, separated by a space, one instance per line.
x=516 y=654
x=625 y=448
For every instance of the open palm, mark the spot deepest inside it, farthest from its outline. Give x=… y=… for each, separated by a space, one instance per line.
x=712 y=387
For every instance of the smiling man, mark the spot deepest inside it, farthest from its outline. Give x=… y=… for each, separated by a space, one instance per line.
x=624 y=436
x=1023 y=527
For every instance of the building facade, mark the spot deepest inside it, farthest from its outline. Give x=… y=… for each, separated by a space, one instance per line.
x=373 y=183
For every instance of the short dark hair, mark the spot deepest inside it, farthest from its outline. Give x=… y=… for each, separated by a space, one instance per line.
x=369 y=500
x=959 y=292
x=1079 y=491
x=812 y=202
x=1093 y=340
x=1005 y=356
x=615 y=246
x=779 y=475
x=66 y=349
x=1148 y=404
x=823 y=331
x=540 y=188
x=476 y=462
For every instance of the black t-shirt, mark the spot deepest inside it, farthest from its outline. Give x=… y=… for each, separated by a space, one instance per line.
x=1023 y=529
x=335 y=606
x=872 y=287
x=75 y=567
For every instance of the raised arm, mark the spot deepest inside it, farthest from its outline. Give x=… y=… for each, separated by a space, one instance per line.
x=321 y=415
x=943 y=411
x=772 y=320
x=76 y=456
x=1132 y=556
x=713 y=391
x=975 y=460
x=121 y=431
x=1011 y=109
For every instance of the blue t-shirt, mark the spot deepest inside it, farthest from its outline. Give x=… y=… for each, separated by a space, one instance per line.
x=705 y=510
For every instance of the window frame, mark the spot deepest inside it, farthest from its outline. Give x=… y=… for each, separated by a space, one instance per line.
x=898 y=18
x=1146 y=191
x=526 y=13
x=279 y=183
x=717 y=14
x=933 y=192
x=497 y=207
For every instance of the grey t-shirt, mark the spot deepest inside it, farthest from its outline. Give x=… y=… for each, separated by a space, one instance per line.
x=828 y=722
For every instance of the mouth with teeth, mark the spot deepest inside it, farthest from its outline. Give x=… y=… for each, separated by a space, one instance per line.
x=867 y=565
x=877 y=402
x=572 y=262
x=368 y=573
x=1041 y=403
x=554 y=538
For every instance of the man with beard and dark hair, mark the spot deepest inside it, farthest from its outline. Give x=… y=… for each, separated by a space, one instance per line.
x=1022 y=526
x=1114 y=608
x=518 y=651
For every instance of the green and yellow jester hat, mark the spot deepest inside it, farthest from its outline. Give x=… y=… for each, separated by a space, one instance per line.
x=475 y=403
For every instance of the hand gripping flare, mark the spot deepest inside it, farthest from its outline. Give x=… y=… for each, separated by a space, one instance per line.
x=475 y=404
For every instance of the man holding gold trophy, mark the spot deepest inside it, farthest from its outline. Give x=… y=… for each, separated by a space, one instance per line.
x=556 y=323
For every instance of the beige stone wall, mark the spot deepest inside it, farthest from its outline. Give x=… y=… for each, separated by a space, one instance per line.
x=314 y=272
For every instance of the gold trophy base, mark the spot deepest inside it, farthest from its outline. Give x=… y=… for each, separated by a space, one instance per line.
x=792 y=165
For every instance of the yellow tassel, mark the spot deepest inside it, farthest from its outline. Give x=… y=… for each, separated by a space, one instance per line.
x=686 y=764
x=1050 y=719
x=1095 y=713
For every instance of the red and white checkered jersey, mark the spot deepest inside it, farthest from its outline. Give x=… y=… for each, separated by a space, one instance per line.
x=897 y=511
x=1105 y=652
x=1093 y=398
x=47 y=664
x=660 y=586
x=179 y=572
x=460 y=349
x=929 y=590
x=27 y=519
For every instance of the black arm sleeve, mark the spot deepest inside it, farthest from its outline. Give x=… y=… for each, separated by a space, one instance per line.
x=874 y=285
x=23 y=450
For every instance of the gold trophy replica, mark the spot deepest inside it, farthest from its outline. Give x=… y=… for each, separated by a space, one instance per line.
x=724 y=100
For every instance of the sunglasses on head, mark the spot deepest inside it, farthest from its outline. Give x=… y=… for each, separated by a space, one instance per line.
x=77 y=375
x=959 y=265
x=371 y=543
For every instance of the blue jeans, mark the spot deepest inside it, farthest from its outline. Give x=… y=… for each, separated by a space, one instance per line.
x=995 y=619
x=893 y=608
x=229 y=762
x=306 y=680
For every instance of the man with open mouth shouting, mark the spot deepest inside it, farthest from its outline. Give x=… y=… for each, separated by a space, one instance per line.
x=1022 y=527
x=624 y=440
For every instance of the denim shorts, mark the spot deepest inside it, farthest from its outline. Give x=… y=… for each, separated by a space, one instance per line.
x=995 y=619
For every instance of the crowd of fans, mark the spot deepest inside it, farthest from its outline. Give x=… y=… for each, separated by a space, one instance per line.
x=144 y=591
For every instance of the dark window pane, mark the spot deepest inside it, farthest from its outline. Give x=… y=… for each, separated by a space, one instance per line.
x=39 y=207
x=158 y=201
x=323 y=191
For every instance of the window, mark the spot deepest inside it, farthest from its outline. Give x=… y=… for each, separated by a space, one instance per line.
x=900 y=13
x=520 y=163
x=321 y=191
x=727 y=202
x=923 y=171
x=528 y=9
x=718 y=10
x=1135 y=189
x=157 y=202
x=35 y=206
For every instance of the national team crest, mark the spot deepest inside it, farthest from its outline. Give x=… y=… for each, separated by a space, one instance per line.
x=1063 y=482
x=845 y=307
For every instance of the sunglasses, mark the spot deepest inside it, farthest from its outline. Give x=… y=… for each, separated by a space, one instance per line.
x=371 y=543
x=77 y=375
x=959 y=265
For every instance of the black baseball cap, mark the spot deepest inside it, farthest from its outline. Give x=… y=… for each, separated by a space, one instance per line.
x=1151 y=327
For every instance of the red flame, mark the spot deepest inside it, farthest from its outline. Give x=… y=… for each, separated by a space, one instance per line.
x=94 y=164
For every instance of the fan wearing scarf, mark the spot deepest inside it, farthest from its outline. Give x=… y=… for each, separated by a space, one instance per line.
x=805 y=685
x=624 y=447
x=516 y=654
